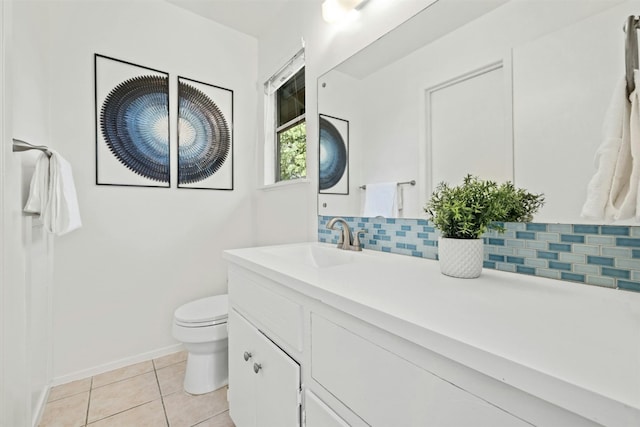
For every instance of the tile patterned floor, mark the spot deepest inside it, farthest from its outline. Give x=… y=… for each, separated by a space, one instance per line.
x=145 y=394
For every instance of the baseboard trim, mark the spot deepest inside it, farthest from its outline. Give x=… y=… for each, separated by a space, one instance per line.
x=142 y=357
x=39 y=409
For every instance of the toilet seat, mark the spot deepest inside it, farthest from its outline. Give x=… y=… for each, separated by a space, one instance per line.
x=204 y=312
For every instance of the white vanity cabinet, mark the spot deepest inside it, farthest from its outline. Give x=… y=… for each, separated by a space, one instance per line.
x=264 y=381
x=349 y=345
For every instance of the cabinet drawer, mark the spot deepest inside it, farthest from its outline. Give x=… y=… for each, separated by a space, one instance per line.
x=279 y=315
x=354 y=369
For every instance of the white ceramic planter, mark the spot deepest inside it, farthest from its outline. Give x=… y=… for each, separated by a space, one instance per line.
x=460 y=257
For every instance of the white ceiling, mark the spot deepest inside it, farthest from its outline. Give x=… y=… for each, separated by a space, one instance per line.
x=252 y=17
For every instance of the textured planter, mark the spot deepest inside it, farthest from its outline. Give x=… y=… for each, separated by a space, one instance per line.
x=460 y=257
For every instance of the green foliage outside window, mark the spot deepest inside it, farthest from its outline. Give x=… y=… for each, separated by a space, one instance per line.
x=292 y=147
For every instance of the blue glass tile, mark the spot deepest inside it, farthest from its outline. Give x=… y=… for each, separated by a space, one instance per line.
x=405 y=228
x=429 y=242
x=498 y=223
x=616 y=252
x=423 y=235
x=401 y=246
x=488 y=264
x=636 y=253
x=600 y=260
x=377 y=225
x=497 y=242
x=514 y=226
x=561 y=228
x=525 y=270
x=361 y=225
x=506 y=267
x=634 y=231
x=386 y=249
x=423 y=222
x=552 y=274
x=505 y=251
x=571 y=238
x=378 y=237
x=323 y=240
x=416 y=253
x=494 y=257
x=615 y=272
x=411 y=246
x=548 y=237
x=535 y=262
x=601 y=281
x=632 y=264
x=624 y=241
x=601 y=240
x=514 y=243
x=527 y=253
x=629 y=286
x=391 y=221
x=401 y=233
x=536 y=227
x=614 y=230
x=572 y=258
x=364 y=219
x=525 y=235
x=515 y=260
x=381 y=231
x=586 y=229
x=533 y=244
x=560 y=265
x=560 y=247
x=428 y=229
x=572 y=276
x=585 y=249
x=586 y=269
x=547 y=255
x=373 y=242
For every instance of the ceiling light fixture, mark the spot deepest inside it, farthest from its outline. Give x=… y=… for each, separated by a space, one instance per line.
x=337 y=10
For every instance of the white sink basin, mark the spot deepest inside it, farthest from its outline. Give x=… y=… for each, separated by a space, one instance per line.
x=313 y=255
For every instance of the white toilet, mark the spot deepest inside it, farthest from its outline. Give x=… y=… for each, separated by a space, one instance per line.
x=201 y=325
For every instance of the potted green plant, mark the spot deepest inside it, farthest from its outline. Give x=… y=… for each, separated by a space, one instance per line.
x=464 y=213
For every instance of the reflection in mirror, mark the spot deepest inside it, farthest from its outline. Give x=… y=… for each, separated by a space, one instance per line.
x=513 y=90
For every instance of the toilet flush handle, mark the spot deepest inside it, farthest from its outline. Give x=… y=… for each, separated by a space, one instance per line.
x=247 y=356
x=256 y=367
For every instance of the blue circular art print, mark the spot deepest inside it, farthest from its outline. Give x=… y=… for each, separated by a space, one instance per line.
x=333 y=155
x=134 y=122
x=205 y=139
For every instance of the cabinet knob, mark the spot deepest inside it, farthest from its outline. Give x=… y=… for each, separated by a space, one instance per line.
x=247 y=356
x=256 y=367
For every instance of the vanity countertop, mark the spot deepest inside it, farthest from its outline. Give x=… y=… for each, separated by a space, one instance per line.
x=575 y=345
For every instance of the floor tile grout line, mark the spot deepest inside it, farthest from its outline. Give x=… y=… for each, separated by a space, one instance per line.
x=68 y=395
x=164 y=409
x=86 y=417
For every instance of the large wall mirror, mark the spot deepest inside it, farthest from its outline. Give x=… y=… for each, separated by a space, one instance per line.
x=507 y=90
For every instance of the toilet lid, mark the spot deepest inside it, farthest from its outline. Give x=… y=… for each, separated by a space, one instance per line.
x=203 y=310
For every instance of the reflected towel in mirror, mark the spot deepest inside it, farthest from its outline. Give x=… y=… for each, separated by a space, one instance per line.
x=381 y=199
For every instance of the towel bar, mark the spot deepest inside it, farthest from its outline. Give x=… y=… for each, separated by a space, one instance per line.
x=412 y=182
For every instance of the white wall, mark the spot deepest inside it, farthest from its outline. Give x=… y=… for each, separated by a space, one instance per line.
x=288 y=213
x=27 y=276
x=141 y=252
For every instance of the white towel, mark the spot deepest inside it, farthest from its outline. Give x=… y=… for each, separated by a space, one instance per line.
x=381 y=199
x=612 y=191
x=56 y=202
x=39 y=188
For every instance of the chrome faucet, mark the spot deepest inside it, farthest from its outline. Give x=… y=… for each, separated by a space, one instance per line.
x=345 y=242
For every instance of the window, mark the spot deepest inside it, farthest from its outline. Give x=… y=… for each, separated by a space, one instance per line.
x=291 y=135
x=285 y=154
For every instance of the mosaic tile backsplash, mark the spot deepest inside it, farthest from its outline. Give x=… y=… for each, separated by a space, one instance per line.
x=601 y=255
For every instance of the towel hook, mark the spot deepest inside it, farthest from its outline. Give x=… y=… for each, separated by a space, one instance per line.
x=20 y=145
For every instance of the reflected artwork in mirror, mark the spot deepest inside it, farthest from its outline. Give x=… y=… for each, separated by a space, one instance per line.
x=554 y=82
x=333 y=156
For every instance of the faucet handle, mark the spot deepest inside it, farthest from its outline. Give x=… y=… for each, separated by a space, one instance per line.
x=357 y=246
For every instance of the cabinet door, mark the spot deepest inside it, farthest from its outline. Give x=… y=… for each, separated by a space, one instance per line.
x=277 y=386
x=241 y=376
x=264 y=389
x=318 y=414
